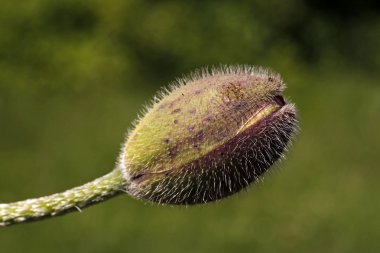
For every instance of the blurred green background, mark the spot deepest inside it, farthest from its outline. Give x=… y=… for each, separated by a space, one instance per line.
x=74 y=75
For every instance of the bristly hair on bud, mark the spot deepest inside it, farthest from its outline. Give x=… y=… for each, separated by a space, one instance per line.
x=209 y=135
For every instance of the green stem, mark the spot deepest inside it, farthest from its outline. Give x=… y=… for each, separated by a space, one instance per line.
x=74 y=199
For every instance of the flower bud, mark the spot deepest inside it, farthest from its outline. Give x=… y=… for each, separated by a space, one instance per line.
x=210 y=136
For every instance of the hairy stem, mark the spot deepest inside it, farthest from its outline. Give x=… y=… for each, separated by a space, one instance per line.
x=74 y=199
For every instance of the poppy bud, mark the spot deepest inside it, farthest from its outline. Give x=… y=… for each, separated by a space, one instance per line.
x=209 y=136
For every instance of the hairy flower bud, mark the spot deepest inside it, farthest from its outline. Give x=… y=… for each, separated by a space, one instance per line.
x=208 y=137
